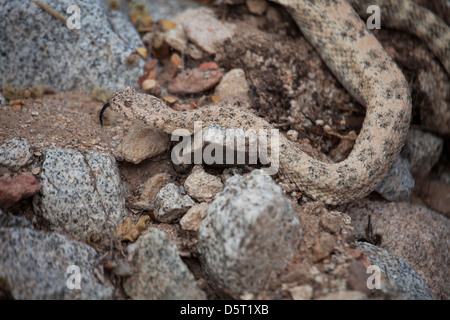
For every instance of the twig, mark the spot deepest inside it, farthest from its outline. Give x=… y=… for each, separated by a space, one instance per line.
x=54 y=13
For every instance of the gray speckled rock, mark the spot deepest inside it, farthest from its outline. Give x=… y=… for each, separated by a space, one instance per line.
x=33 y=265
x=250 y=232
x=9 y=220
x=161 y=272
x=170 y=204
x=15 y=153
x=399 y=271
x=417 y=234
x=72 y=201
x=202 y=186
x=422 y=150
x=398 y=183
x=37 y=48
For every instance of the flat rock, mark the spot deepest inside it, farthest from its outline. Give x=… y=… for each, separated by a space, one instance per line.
x=193 y=218
x=232 y=84
x=81 y=194
x=33 y=266
x=170 y=204
x=15 y=153
x=249 y=233
x=161 y=272
x=195 y=80
x=202 y=186
x=411 y=285
x=37 y=48
x=414 y=233
x=143 y=143
x=204 y=29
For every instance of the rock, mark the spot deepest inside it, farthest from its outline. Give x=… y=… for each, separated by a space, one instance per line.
x=81 y=194
x=397 y=270
x=398 y=183
x=331 y=222
x=200 y=24
x=232 y=84
x=434 y=194
x=176 y=38
x=161 y=272
x=194 y=80
x=344 y=295
x=13 y=190
x=15 y=153
x=143 y=143
x=193 y=218
x=292 y=135
x=170 y=204
x=249 y=233
x=304 y=292
x=34 y=266
x=37 y=48
x=422 y=150
x=414 y=233
x=202 y=186
x=257 y=7
x=323 y=246
x=8 y=220
x=151 y=188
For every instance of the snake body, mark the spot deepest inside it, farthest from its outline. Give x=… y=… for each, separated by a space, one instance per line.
x=360 y=63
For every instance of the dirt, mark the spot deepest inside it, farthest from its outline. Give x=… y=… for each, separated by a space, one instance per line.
x=292 y=89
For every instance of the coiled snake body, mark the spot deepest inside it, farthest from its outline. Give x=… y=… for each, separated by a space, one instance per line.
x=360 y=63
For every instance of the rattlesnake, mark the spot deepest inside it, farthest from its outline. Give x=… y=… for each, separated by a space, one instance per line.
x=360 y=63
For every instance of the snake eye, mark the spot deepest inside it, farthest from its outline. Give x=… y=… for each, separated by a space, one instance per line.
x=127 y=103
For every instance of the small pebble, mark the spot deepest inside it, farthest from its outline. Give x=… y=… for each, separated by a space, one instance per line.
x=292 y=135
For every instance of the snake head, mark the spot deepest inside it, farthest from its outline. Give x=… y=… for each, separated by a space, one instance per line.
x=139 y=106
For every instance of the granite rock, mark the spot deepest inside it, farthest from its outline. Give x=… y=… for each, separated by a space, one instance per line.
x=414 y=233
x=161 y=272
x=34 y=266
x=37 y=48
x=249 y=233
x=170 y=204
x=202 y=186
x=15 y=153
x=398 y=183
x=411 y=285
x=81 y=194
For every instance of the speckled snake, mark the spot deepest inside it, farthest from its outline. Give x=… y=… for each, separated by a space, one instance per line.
x=361 y=64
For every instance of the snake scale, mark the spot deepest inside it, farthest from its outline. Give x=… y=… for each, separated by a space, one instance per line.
x=360 y=63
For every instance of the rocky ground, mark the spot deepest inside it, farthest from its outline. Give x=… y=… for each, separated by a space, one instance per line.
x=109 y=200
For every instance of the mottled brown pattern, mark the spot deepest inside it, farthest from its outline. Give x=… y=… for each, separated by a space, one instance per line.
x=358 y=60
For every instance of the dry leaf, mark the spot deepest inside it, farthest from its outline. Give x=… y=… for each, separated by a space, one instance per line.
x=142 y=51
x=129 y=231
x=167 y=25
